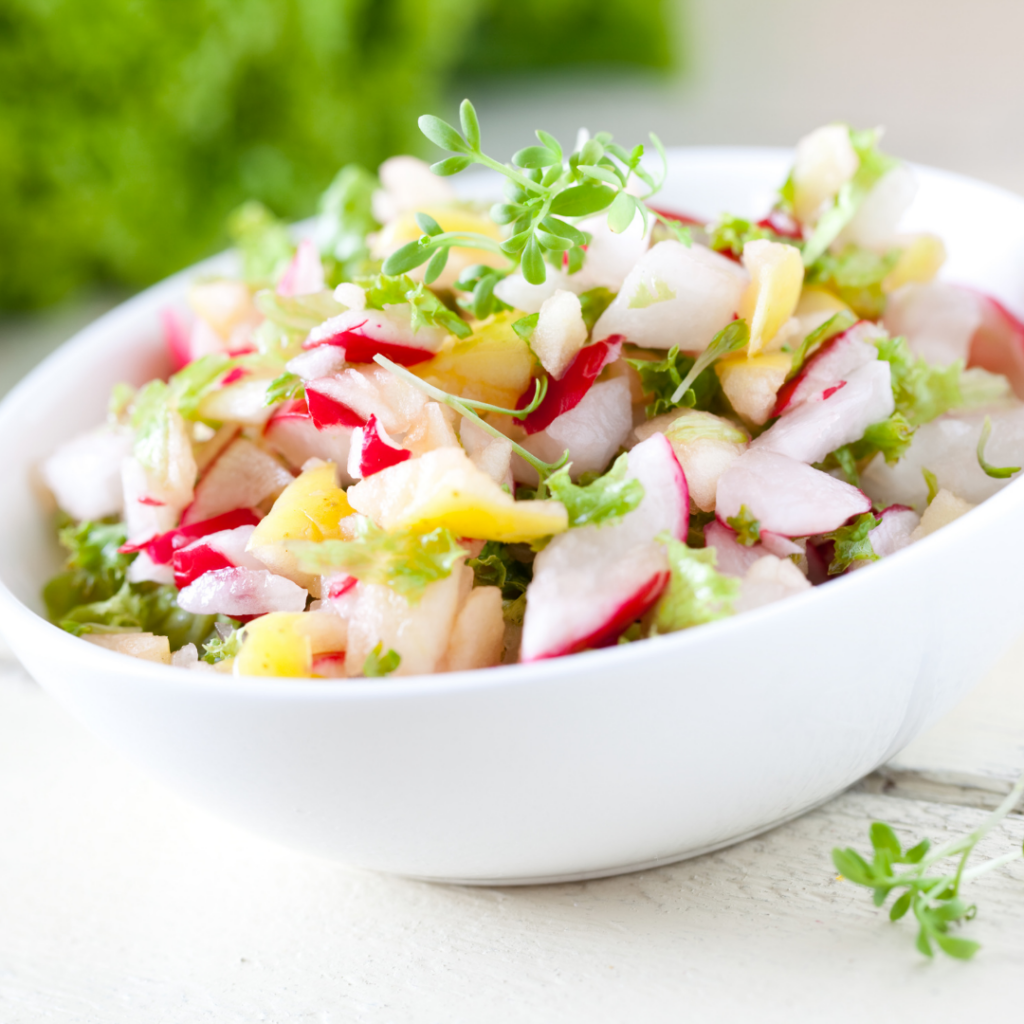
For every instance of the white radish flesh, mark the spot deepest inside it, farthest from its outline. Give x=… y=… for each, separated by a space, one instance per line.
x=242 y=476
x=938 y=320
x=242 y=592
x=85 y=473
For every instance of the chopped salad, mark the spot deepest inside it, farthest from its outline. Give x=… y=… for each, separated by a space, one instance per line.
x=434 y=435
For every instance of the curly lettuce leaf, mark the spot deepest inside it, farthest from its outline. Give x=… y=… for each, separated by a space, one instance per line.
x=731 y=234
x=405 y=561
x=222 y=646
x=842 y=321
x=606 y=498
x=697 y=592
x=852 y=543
x=922 y=392
x=748 y=529
x=661 y=379
x=94 y=570
x=427 y=309
x=856 y=276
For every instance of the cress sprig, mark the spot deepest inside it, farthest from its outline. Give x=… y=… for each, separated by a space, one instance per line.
x=544 y=191
x=934 y=899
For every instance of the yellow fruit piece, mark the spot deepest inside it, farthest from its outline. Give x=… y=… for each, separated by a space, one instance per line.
x=312 y=507
x=492 y=365
x=814 y=299
x=444 y=489
x=776 y=277
x=284 y=643
x=146 y=646
x=751 y=383
x=921 y=257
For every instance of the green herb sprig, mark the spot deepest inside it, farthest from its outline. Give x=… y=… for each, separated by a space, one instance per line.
x=934 y=899
x=996 y=472
x=544 y=191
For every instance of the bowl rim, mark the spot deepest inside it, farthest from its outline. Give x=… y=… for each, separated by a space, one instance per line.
x=497 y=677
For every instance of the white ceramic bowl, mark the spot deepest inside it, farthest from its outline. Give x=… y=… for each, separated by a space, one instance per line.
x=578 y=767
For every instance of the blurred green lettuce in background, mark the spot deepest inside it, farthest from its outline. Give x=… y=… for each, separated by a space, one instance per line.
x=130 y=128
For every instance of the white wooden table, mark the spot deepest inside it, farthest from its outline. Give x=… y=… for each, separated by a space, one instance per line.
x=118 y=903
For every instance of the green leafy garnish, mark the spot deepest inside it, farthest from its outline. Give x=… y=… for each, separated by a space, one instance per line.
x=837 y=324
x=593 y=303
x=608 y=497
x=856 y=276
x=873 y=166
x=263 y=242
x=933 y=899
x=284 y=388
x=697 y=592
x=931 y=482
x=731 y=234
x=405 y=561
x=543 y=188
x=190 y=385
x=94 y=570
x=996 y=472
x=497 y=566
x=663 y=377
x=922 y=392
x=526 y=325
x=891 y=438
x=748 y=529
x=379 y=664
x=427 y=309
x=730 y=338
x=479 y=280
x=344 y=221
x=220 y=648
x=852 y=543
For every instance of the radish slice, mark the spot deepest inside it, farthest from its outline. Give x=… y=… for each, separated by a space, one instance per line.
x=241 y=592
x=938 y=320
x=590 y=583
x=373 y=391
x=786 y=496
x=892 y=534
x=675 y=296
x=372 y=450
x=325 y=410
x=833 y=362
x=305 y=274
x=176 y=338
x=734 y=558
x=242 y=476
x=85 y=473
x=815 y=428
x=162 y=547
x=292 y=433
x=592 y=432
x=324 y=361
x=998 y=343
x=565 y=394
x=366 y=333
x=224 y=549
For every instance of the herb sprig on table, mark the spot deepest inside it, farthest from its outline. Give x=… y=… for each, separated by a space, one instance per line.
x=930 y=894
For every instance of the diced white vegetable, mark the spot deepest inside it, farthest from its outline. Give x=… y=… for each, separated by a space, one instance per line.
x=825 y=161
x=770 y=579
x=145 y=646
x=944 y=509
x=241 y=592
x=85 y=473
x=875 y=223
x=560 y=332
x=937 y=319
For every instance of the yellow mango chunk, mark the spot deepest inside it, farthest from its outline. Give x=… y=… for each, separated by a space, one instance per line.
x=751 y=383
x=921 y=256
x=284 y=643
x=492 y=365
x=312 y=507
x=814 y=299
x=776 y=277
x=445 y=489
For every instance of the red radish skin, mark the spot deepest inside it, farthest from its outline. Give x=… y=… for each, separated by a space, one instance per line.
x=330 y=665
x=364 y=335
x=338 y=587
x=233 y=376
x=998 y=343
x=176 y=338
x=326 y=411
x=373 y=450
x=292 y=432
x=843 y=354
x=161 y=548
x=565 y=394
x=153 y=502
x=191 y=562
x=305 y=274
